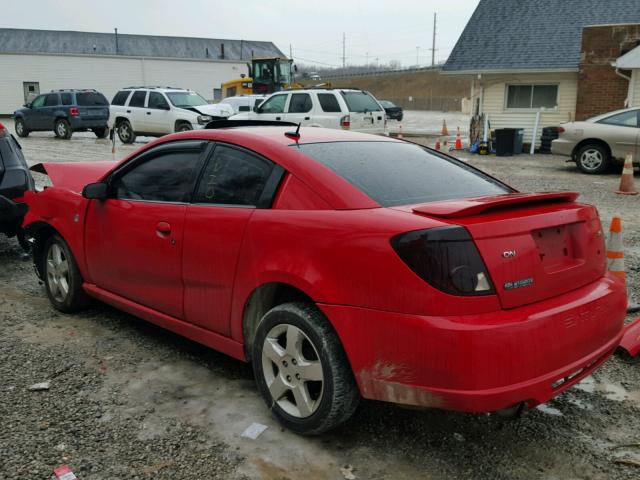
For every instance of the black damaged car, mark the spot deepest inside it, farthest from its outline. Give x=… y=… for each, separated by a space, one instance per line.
x=15 y=180
x=393 y=111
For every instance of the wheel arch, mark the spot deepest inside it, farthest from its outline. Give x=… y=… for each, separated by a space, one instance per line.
x=181 y=121
x=40 y=232
x=262 y=299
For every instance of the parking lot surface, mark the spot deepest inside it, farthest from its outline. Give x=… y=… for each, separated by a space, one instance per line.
x=129 y=400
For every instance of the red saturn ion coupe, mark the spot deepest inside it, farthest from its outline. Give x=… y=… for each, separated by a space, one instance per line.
x=342 y=265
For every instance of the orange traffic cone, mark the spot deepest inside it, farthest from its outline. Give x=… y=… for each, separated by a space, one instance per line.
x=627 y=184
x=400 y=132
x=437 y=144
x=445 y=131
x=458 y=144
x=615 y=254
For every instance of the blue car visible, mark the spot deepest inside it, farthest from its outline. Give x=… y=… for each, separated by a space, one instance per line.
x=64 y=112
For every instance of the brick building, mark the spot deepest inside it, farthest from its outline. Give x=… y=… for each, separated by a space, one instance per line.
x=601 y=87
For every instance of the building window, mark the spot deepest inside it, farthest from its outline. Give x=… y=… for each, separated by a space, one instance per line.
x=532 y=96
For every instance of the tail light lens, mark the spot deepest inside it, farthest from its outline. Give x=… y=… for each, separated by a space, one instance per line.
x=3 y=131
x=446 y=258
x=345 y=122
x=561 y=130
x=73 y=111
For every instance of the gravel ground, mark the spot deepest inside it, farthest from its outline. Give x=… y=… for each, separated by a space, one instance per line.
x=130 y=400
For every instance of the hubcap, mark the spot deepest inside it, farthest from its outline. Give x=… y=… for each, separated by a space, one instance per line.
x=58 y=273
x=292 y=370
x=61 y=129
x=591 y=159
x=19 y=128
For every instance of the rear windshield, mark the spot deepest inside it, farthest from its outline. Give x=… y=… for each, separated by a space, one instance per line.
x=394 y=173
x=359 y=102
x=91 y=99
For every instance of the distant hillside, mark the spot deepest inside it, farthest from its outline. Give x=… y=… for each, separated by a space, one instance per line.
x=429 y=90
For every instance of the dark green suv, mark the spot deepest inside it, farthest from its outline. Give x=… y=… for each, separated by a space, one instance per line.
x=64 y=112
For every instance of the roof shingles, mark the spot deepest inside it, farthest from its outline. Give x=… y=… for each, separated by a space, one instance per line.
x=532 y=34
x=14 y=40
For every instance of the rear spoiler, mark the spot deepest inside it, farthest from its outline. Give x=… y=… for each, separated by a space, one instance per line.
x=467 y=207
x=247 y=123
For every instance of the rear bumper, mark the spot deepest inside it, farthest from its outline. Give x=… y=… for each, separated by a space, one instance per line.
x=560 y=146
x=78 y=123
x=12 y=214
x=485 y=362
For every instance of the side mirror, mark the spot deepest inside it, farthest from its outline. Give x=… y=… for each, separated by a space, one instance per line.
x=27 y=105
x=165 y=106
x=96 y=191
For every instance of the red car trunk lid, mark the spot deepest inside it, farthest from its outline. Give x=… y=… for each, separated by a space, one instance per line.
x=535 y=246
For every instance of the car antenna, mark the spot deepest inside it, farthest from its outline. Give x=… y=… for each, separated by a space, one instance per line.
x=295 y=134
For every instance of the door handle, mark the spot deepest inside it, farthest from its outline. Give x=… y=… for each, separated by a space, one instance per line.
x=163 y=228
x=148 y=113
x=128 y=111
x=307 y=118
x=278 y=118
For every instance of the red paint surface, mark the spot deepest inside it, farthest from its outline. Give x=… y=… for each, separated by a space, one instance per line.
x=407 y=342
x=631 y=338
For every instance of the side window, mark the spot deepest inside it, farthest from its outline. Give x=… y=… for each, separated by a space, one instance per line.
x=121 y=97
x=169 y=177
x=67 y=98
x=233 y=177
x=625 y=119
x=51 y=100
x=157 y=101
x=137 y=99
x=329 y=102
x=274 y=105
x=38 y=102
x=300 y=103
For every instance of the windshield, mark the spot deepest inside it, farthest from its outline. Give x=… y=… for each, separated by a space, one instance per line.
x=397 y=173
x=270 y=71
x=186 y=99
x=359 y=102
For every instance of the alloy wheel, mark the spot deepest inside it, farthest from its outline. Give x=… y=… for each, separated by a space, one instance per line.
x=62 y=129
x=58 y=273
x=292 y=370
x=19 y=128
x=124 y=131
x=591 y=159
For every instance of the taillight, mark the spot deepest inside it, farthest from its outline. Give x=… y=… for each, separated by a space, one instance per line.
x=447 y=258
x=73 y=111
x=345 y=122
x=3 y=131
x=561 y=130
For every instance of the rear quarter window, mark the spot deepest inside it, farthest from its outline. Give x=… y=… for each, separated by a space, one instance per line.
x=396 y=173
x=359 y=102
x=91 y=99
x=120 y=97
x=329 y=103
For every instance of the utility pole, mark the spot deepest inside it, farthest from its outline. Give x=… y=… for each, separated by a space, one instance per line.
x=433 y=44
x=290 y=52
x=367 y=64
x=344 y=58
x=417 y=56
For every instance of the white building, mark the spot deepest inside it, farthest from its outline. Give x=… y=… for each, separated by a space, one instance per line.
x=37 y=61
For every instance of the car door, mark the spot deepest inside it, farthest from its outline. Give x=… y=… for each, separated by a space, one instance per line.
x=234 y=183
x=620 y=131
x=136 y=111
x=300 y=109
x=158 y=114
x=32 y=116
x=273 y=108
x=134 y=239
x=48 y=111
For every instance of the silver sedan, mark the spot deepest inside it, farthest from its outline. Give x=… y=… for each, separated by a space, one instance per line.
x=599 y=142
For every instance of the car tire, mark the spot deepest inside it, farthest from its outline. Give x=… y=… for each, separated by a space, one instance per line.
x=593 y=159
x=62 y=129
x=101 y=132
x=62 y=278
x=184 y=127
x=21 y=128
x=125 y=132
x=308 y=386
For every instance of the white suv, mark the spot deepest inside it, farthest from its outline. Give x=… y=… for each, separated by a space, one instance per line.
x=157 y=111
x=243 y=103
x=348 y=109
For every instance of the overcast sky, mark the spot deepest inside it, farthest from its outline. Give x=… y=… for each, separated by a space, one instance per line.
x=382 y=30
